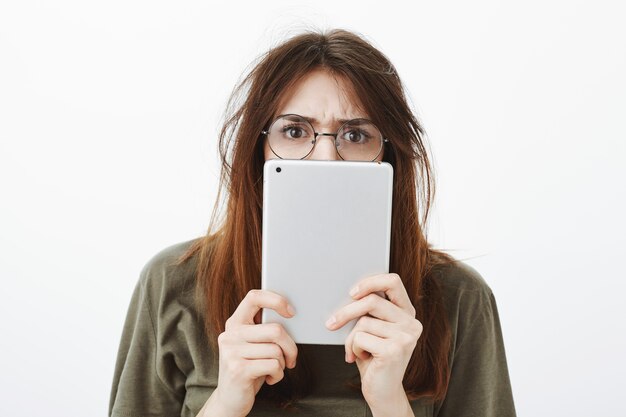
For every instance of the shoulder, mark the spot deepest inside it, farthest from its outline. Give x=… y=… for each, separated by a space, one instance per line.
x=164 y=277
x=468 y=300
x=479 y=382
x=465 y=293
x=458 y=277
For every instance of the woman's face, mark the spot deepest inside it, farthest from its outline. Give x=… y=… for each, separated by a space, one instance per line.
x=325 y=100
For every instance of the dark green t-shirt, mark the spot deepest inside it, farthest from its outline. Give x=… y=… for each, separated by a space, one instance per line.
x=165 y=366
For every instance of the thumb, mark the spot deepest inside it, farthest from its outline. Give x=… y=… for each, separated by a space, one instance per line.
x=258 y=383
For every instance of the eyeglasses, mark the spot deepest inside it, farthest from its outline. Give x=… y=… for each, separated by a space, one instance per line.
x=291 y=136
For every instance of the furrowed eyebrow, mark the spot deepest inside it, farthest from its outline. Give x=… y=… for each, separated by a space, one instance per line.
x=313 y=120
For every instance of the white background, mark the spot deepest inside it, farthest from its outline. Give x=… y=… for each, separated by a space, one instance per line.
x=109 y=113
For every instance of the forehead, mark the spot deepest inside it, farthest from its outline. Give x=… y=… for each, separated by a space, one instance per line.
x=322 y=96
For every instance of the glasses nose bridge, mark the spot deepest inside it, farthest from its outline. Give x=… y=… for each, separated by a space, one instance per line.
x=334 y=135
x=317 y=134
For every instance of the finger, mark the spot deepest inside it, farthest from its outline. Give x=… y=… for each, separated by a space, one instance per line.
x=256 y=300
x=268 y=368
x=373 y=326
x=377 y=327
x=271 y=333
x=365 y=344
x=371 y=304
x=262 y=351
x=390 y=284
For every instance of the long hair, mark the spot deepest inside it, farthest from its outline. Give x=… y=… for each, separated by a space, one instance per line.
x=229 y=256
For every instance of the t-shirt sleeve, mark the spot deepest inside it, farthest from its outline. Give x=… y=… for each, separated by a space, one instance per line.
x=479 y=381
x=142 y=383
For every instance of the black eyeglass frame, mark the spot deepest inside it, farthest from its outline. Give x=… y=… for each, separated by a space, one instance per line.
x=316 y=134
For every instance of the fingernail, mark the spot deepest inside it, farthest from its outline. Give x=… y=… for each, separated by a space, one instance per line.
x=346 y=356
x=331 y=321
x=354 y=290
x=290 y=310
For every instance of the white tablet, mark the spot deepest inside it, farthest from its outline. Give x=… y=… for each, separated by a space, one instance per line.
x=326 y=225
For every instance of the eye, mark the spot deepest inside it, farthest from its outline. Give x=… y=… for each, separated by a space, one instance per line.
x=294 y=131
x=356 y=136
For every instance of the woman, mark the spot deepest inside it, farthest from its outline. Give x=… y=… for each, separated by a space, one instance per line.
x=192 y=343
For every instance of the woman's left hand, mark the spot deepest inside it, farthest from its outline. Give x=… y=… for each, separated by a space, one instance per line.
x=383 y=339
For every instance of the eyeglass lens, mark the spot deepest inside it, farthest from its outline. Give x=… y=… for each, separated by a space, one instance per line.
x=293 y=137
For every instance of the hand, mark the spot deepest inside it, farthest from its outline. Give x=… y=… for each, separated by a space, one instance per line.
x=251 y=354
x=383 y=339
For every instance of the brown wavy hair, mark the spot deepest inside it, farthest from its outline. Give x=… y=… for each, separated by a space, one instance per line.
x=229 y=256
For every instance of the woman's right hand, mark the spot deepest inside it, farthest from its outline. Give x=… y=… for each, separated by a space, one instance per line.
x=251 y=354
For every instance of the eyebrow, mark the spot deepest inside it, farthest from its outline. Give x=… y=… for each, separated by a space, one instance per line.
x=313 y=120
